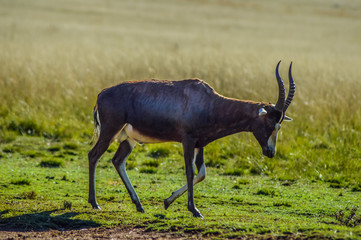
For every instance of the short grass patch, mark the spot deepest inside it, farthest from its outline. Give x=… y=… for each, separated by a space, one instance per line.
x=21 y=182
x=349 y=217
x=51 y=163
x=67 y=204
x=151 y=163
x=148 y=169
x=234 y=172
x=70 y=145
x=159 y=152
x=31 y=195
x=54 y=148
x=267 y=192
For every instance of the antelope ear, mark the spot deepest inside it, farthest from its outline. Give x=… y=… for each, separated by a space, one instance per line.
x=288 y=118
x=262 y=112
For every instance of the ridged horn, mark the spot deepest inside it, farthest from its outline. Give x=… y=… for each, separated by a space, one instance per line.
x=281 y=91
x=291 y=91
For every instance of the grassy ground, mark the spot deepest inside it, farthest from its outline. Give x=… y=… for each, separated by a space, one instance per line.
x=44 y=186
x=55 y=58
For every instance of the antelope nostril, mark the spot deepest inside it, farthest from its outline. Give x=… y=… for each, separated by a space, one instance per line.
x=271 y=152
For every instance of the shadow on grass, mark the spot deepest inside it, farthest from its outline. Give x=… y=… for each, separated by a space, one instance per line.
x=43 y=221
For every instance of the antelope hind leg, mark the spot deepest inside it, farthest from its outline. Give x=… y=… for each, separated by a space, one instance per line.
x=119 y=162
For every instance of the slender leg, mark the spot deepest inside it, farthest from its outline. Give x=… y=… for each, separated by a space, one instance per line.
x=119 y=161
x=188 y=151
x=200 y=177
x=97 y=151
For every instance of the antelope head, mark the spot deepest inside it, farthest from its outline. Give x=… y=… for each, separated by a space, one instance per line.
x=268 y=121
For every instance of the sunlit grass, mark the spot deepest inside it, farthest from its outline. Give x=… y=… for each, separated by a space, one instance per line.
x=233 y=206
x=55 y=59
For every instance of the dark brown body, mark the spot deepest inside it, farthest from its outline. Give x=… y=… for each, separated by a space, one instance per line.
x=170 y=111
x=187 y=111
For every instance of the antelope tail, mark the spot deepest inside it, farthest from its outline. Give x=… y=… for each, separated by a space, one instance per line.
x=96 y=131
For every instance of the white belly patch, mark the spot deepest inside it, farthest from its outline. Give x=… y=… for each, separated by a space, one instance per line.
x=135 y=135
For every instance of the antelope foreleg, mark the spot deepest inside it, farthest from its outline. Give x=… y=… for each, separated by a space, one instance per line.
x=200 y=177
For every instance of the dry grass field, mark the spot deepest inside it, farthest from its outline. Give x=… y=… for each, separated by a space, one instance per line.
x=55 y=57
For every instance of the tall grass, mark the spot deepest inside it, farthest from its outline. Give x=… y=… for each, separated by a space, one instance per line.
x=55 y=58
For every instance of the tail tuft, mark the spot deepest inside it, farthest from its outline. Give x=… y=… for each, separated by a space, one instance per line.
x=96 y=131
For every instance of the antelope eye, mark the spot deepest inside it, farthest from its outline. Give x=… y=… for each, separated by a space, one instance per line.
x=275 y=116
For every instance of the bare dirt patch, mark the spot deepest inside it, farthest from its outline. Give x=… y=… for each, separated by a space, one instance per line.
x=96 y=233
x=44 y=225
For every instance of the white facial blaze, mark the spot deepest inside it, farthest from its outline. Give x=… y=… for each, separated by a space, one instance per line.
x=281 y=118
x=272 y=140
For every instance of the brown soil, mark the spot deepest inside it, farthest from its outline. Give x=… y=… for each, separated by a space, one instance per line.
x=96 y=233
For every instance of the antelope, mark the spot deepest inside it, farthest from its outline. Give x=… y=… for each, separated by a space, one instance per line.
x=189 y=112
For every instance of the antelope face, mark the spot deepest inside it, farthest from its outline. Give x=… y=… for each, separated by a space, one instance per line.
x=265 y=129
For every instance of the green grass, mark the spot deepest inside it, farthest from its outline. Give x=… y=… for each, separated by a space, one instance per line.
x=233 y=206
x=21 y=182
x=52 y=163
x=349 y=218
x=56 y=58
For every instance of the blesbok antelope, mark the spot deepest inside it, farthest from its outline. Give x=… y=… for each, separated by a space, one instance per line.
x=187 y=111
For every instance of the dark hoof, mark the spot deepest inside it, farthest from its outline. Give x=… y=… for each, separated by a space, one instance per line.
x=96 y=207
x=166 y=204
x=196 y=213
x=140 y=209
